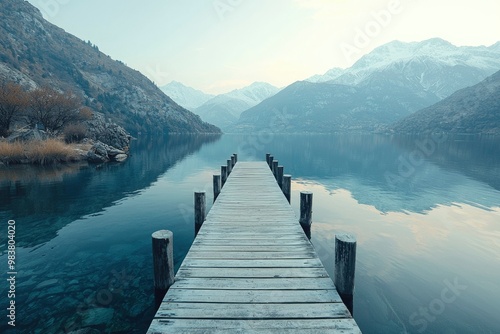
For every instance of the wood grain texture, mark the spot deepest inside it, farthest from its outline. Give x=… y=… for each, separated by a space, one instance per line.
x=251 y=268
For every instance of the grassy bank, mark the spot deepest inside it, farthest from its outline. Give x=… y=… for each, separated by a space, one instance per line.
x=41 y=152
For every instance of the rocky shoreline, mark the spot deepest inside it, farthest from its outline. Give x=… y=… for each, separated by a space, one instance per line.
x=104 y=141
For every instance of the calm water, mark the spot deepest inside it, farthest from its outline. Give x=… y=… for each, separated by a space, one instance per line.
x=426 y=213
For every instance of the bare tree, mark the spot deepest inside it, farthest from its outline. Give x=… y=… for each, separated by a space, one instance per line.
x=13 y=101
x=53 y=109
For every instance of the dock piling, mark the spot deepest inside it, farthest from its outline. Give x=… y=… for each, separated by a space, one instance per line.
x=229 y=167
x=223 y=175
x=306 y=198
x=267 y=159
x=233 y=161
x=199 y=210
x=345 y=267
x=275 y=169
x=235 y=157
x=279 y=176
x=287 y=187
x=271 y=159
x=216 y=186
x=163 y=263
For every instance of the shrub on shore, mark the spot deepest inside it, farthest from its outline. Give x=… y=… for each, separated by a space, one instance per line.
x=37 y=152
x=12 y=152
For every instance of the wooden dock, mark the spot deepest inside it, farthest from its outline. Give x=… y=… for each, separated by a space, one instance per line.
x=251 y=269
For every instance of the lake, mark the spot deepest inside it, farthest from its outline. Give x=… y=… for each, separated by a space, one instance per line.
x=425 y=211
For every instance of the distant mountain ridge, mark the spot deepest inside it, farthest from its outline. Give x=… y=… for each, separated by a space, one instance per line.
x=34 y=52
x=185 y=96
x=470 y=110
x=384 y=86
x=435 y=65
x=225 y=109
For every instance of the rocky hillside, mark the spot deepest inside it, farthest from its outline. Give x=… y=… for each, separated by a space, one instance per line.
x=34 y=52
x=471 y=110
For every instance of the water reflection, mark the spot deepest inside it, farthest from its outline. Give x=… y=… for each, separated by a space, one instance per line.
x=45 y=199
x=385 y=172
x=84 y=231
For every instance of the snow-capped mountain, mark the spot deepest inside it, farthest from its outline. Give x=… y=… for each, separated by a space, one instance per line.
x=185 y=96
x=434 y=65
x=331 y=74
x=390 y=83
x=225 y=109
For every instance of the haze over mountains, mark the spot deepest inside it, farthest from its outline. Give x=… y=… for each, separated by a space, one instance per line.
x=34 y=52
x=225 y=109
x=185 y=96
x=384 y=86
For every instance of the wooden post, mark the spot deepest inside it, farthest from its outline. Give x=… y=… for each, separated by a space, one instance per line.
x=163 y=263
x=345 y=267
x=271 y=158
x=306 y=198
x=223 y=175
x=199 y=210
x=233 y=161
x=275 y=169
x=267 y=158
x=217 y=186
x=235 y=157
x=280 y=176
x=287 y=187
x=229 y=165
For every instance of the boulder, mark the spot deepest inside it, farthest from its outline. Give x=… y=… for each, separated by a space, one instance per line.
x=120 y=157
x=100 y=152
x=107 y=132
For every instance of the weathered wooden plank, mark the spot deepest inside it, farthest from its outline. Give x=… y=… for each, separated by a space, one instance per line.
x=252 y=272
x=271 y=263
x=253 y=248
x=275 y=326
x=319 y=283
x=250 y=255
x=252 y=311
x=252 y=296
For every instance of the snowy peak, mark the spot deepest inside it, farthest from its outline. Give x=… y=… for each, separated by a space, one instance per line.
x=255 y=93
x=331 y=74
x=434 y=65
x=225 y=109
x=185 y=96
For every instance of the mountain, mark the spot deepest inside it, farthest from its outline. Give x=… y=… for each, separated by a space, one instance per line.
x=434 y=65
x=331 y=74
x=324 y=108
x=225 y=109
x=34 y=52
x=472 y=110
x=185 y=96
x=384 y=86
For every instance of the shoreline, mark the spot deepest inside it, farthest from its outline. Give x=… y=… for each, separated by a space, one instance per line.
x=56 y=151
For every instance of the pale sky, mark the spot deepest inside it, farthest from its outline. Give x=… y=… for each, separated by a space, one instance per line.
x=220 y=45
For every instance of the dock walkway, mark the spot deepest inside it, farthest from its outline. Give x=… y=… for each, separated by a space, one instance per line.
x=251 y=269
